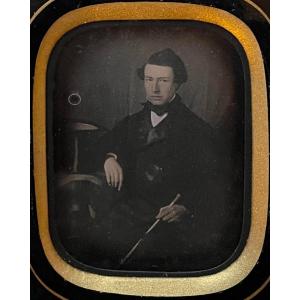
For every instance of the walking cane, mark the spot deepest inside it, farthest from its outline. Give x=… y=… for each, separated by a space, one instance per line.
x=126 y=257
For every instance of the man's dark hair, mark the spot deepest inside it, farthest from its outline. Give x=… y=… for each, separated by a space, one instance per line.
x=167 y=58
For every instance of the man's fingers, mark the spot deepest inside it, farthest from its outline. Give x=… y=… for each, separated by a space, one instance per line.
x=117 y=179
x=119 y=186
x=174 y=219
x=161 y=213
x=114 y=178
x=170 y=215
x=113 y=173
x=164 y=211
x=120 y=179
x=107 y=175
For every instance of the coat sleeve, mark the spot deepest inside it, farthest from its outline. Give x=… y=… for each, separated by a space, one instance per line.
x=200 y=165
x=115 y=141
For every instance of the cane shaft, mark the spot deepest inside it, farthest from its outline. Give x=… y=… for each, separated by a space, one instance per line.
x=146 y=233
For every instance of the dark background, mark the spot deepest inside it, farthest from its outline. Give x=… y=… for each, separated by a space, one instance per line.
x=99 y=62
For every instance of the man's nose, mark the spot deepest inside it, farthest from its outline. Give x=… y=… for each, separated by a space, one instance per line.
x=155 y=86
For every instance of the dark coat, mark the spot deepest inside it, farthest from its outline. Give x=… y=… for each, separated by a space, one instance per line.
x=177 y=156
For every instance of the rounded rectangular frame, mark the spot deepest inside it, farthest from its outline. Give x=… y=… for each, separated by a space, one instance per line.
x=153 y=286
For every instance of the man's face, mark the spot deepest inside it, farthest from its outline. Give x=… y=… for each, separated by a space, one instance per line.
x=159 y=84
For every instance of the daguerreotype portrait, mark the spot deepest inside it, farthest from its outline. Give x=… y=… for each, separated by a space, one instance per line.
x=148 y=146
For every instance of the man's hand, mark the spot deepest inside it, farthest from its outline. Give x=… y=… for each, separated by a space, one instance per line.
x=113 y=173
x=172 y=213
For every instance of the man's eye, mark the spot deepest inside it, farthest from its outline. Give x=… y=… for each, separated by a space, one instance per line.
x=148 y=79
x=164 y=80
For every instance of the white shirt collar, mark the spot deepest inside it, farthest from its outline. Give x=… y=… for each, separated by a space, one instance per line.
x=156 y=119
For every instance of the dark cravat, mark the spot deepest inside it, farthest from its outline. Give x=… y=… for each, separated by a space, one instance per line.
x=158 y=109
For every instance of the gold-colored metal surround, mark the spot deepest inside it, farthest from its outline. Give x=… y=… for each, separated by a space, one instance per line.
x=149 y=286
